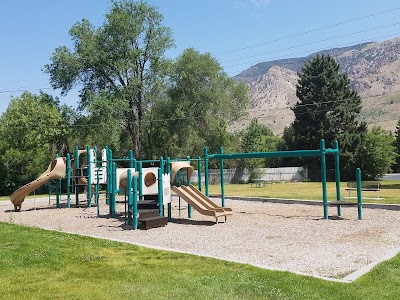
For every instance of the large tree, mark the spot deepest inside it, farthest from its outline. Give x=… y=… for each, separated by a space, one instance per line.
x=122 y=59
x=327 y=109
x=396 y=167
x=31 y=133
x=200 y=102
x=258 y=138
x=376 y=154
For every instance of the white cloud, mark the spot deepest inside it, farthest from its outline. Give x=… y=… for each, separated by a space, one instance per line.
x=251 y=5
x=260 y=3
x=240 y=4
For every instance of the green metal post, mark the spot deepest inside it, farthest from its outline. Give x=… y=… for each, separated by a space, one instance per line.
x=162 y=164
x=199 y=172
x=68 y=180
x=131 y=159
x=323 y=175
x=188 y=183
x=221 y=151
x=109 y=176
x=206 y=170
x=160 y=192
x=76 y=177
x=58 y=188
x=168 y=165
x=130 y=198
x=113 y=200
x=178 y=182
x=140 y=170
x=135 y=201
x=134 y=164
x=359 y=193
x=337 y=177
x=89 y=179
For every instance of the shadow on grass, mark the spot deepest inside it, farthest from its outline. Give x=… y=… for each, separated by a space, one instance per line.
x=62 y=206
x=390 y=186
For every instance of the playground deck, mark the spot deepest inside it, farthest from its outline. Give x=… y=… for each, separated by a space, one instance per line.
x=288 y=237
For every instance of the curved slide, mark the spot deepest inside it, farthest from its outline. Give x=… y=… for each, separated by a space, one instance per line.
x=201 y=202
x=55 y=170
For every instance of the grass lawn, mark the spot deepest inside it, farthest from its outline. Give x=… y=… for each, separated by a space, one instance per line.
x=390 y=191
x=40 y=264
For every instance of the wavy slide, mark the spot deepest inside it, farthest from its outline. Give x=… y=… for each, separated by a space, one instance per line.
x=201 y=202
x=55 y=170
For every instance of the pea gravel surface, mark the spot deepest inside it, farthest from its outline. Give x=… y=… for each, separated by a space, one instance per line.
x=291 y=237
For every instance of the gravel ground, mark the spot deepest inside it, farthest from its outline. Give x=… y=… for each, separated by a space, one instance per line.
x=291 y=237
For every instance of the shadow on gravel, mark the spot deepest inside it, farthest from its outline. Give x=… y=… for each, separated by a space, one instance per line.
x=193 y=222
x=332 y=218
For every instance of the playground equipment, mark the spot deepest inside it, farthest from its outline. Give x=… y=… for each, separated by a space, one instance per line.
x=194 y=197
x=147 y=190
x=55 y=170
x=321 y=153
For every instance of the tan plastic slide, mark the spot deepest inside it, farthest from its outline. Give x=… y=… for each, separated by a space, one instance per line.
x=193 y=189
x=198 y=201
x=55 y=170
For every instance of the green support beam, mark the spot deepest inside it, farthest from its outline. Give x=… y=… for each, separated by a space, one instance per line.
x=221 y=165
x=359 y=193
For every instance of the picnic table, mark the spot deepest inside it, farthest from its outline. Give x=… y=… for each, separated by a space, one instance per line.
x=260 y=182
x=366 y=186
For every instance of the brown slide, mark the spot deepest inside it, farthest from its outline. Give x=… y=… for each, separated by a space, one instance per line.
x=193 y=189
x=55 y=170
x=200 y=204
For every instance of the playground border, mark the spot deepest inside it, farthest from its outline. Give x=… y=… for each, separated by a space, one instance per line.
x=348 y=279
x=351 y=277
x=307 y=202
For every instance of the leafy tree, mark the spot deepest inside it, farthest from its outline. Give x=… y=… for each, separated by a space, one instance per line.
x=289 y=143
x=396 y=167
x=29 y=132
x=328 y=109
x=258 y=138
x=118 y=64
x=200 y=102
x=376 y=154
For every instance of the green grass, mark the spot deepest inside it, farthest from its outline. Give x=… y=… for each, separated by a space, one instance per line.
x=390 y=191
x=39 y=264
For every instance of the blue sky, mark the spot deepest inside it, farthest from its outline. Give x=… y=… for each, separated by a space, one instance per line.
x=31 y=30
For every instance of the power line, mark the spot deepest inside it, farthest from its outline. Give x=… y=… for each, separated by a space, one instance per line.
x=309 y=31
x=314 y=42
x=314 y=50
x=328 y=102
x=221 y=115
x=24 y=90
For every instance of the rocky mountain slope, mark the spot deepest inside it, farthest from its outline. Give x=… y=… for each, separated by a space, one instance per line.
x=373 y=68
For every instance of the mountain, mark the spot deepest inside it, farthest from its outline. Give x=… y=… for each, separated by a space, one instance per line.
x=373 y=69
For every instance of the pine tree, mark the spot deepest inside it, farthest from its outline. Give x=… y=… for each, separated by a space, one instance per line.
x=328 y=109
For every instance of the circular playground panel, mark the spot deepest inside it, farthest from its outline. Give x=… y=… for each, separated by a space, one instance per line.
x=292 y=237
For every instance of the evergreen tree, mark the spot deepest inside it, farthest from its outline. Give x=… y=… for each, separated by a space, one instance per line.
x=328 y=109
